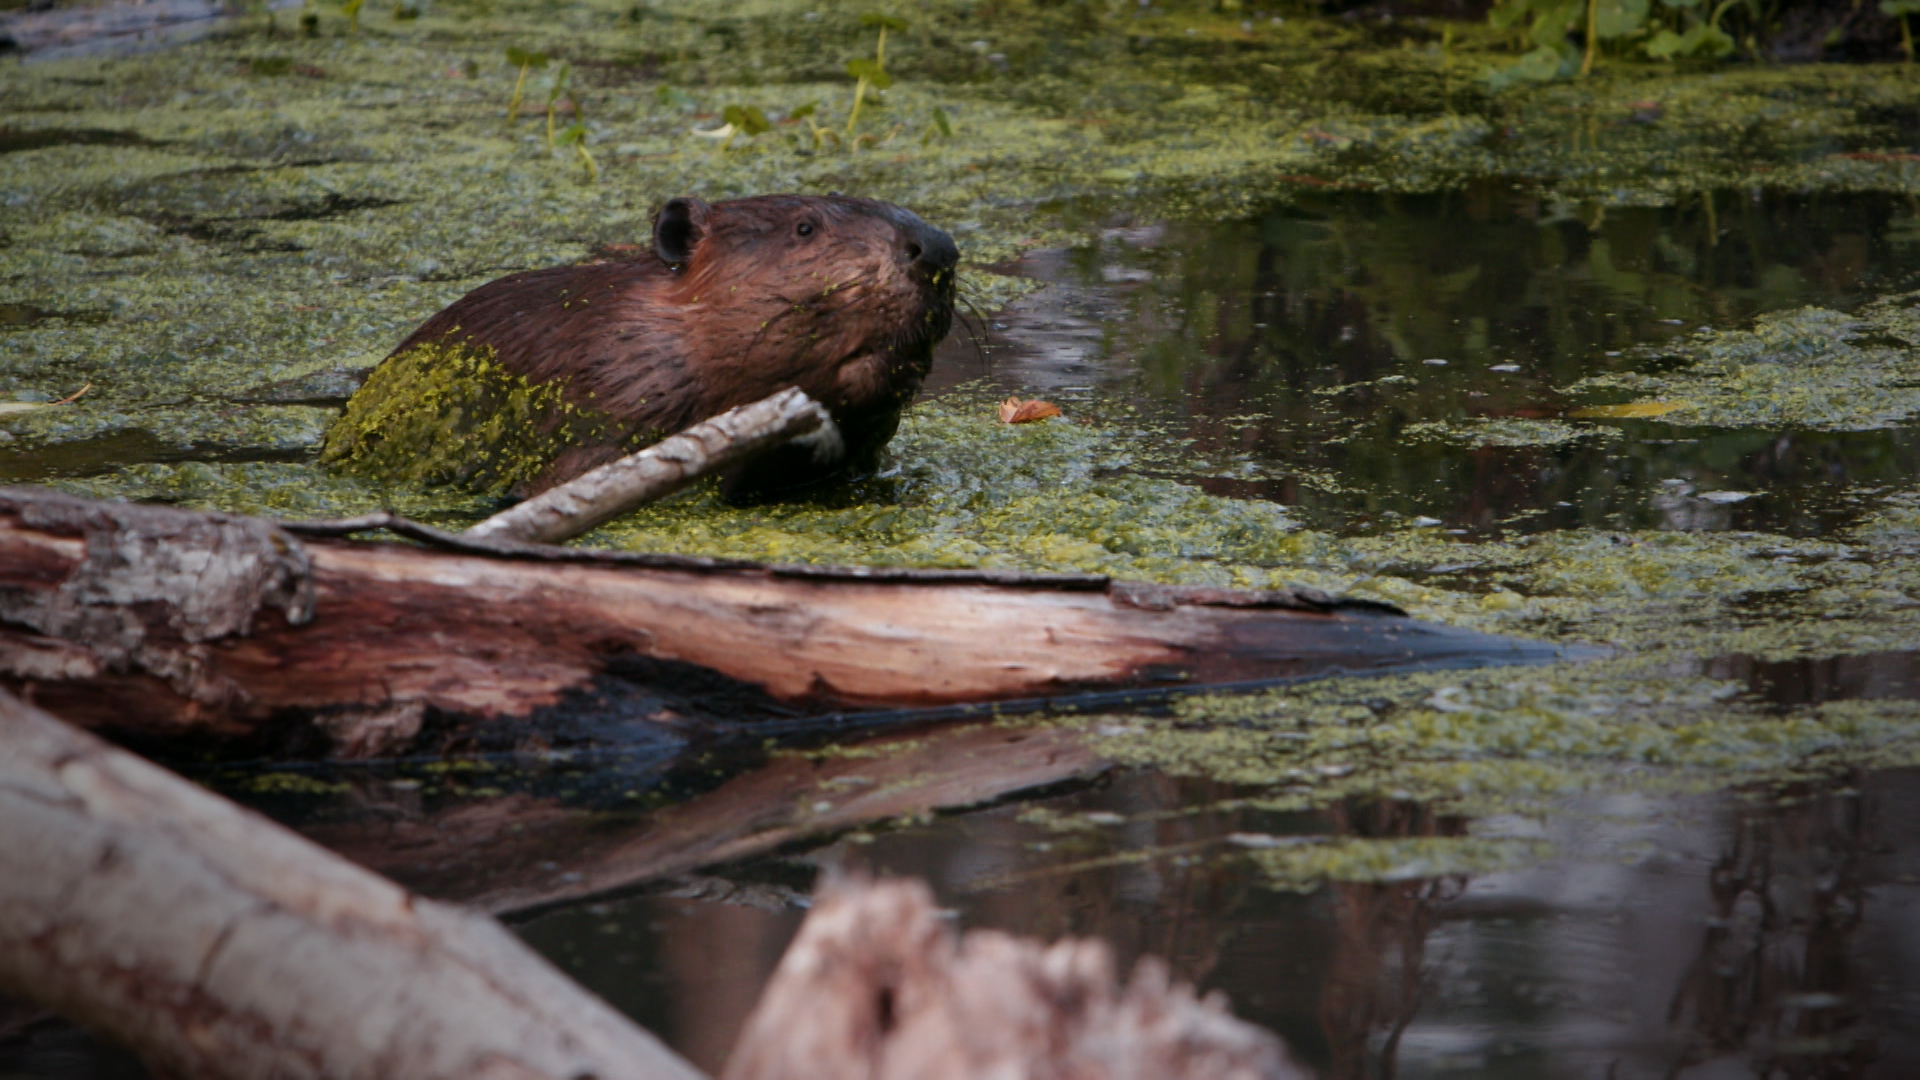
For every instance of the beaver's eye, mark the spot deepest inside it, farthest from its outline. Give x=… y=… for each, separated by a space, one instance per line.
x=805 y=229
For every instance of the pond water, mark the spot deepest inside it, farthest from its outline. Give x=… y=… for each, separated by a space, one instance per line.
x=1775 y=932
x=1700 y=937
x=1297 y=349
x=1315 y=356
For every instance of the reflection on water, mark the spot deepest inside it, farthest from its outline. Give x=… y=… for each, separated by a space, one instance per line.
x=1668 y=937
x=1298 y=350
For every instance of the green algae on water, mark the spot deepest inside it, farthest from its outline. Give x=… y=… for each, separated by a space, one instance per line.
x=1810 y=369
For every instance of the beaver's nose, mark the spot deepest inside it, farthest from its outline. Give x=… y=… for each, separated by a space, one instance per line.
x=928 y=250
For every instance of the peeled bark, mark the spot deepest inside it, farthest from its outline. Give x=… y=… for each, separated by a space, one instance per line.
x=599 y=496
x=203 y=631
x=218 y=945
x=877 y=987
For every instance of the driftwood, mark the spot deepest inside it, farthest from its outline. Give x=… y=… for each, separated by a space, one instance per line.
x=517 y=853
x=877 y=987
x=599 y=496
x=218 y=633
x=218 y=945
x=44 y=32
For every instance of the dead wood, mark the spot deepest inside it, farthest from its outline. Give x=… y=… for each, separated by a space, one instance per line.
x=517 y=853
x=224 y=634
x=599 y=496
x=877 y=987
x=216 y=944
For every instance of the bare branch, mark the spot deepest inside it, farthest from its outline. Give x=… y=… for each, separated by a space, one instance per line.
x=580 y=504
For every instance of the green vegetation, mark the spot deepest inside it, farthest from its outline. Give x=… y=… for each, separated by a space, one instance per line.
x=525 y=61
x=450 y=416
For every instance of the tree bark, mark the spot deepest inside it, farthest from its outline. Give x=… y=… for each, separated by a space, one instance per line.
x=599 y=496
x=218 y=945
x=877 y=987
x=210 y=633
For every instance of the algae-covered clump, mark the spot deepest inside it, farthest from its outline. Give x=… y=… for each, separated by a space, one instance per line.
x=451 y=415
x=1811 y=368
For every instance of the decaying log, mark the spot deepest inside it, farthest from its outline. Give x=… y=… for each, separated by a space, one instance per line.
x=517 y=853
x=877 y=987
x=184 y=628
x=599 y=496
x=218 y=945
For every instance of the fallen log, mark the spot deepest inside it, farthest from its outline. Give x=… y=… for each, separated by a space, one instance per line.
x=215 y=944
x=876 y=986
x=211 y=633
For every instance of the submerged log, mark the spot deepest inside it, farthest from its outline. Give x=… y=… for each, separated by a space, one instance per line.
x=876 y=986
x=216 y=944
x=218 y=633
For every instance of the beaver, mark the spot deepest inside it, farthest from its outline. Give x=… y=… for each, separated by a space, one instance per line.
x=574 y=366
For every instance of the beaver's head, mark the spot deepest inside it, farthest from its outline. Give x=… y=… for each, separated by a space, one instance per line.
x=843 y=297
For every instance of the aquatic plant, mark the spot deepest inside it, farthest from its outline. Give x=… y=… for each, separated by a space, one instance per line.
x=576 y=137
x=526 y=61
x=560 y=87
x=1900 y=9
x=871 y=74
x=1662 y=30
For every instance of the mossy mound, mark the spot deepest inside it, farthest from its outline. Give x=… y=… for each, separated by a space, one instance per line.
x=437 y=416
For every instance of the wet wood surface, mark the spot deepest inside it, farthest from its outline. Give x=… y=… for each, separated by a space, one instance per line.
x=211 y=633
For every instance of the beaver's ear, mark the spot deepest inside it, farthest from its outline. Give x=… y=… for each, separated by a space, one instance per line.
x=678 y=228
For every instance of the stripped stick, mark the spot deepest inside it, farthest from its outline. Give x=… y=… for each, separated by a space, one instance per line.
x=599 y=496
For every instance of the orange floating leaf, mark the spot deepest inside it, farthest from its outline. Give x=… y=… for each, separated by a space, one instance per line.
x=1015 y=411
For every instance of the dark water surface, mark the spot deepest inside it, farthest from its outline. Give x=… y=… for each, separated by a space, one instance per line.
x=1238 y=337
x=1693 y=937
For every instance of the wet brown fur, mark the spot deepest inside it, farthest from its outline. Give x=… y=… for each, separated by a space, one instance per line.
x=749 y=307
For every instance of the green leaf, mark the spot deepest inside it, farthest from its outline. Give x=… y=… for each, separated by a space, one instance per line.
x=673 y=97
x=1508 y=14
x=885 y=22
x=1543 y=64
x=523 y=58
x=1554 y=21
x=748 y=120
x=1900 y=7
x=1618 y=18
x=1666 y=45
x=871 y=71
x=577 y=132
x=1701 y=40
x=940 y=121
x=804 y=111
